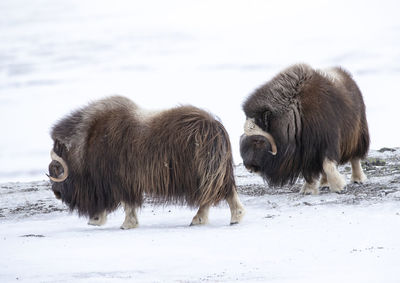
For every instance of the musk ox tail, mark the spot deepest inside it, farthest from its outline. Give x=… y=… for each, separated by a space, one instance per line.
x=213 y=156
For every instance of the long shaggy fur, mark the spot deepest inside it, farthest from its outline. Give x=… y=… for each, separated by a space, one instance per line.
x=117 y=153
x=312 y=115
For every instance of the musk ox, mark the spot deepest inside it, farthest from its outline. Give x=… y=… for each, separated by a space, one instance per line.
x=306 y=122
x=111 y=152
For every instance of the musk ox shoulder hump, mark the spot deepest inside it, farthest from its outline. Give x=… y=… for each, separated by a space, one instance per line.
x=279 y=92
x=80 y=119
x=72 y=131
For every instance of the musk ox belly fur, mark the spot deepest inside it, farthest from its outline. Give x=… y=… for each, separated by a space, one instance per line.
x=305 y=122
x=117 y=153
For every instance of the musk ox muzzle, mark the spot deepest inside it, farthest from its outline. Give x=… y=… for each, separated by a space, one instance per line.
x=252 y=149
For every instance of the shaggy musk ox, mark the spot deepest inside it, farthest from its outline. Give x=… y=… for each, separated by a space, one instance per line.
x=306 y=122
x=111 y=152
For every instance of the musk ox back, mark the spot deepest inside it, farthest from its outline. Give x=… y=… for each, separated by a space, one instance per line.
x=305 y=122
x=111 y=152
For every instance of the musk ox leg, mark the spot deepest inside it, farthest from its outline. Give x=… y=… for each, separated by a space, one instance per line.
x=357 y=175
x=310 y=188
x=237 y=209
x=324 y=181
x=131 y=220
x=99 y=219
x=202 y=216
x=335 y=180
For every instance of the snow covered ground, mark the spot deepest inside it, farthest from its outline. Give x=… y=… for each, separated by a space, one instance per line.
x=56 y=55
x=284 y=237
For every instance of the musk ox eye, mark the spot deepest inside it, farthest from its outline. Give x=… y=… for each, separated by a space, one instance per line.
x=260 y=122
x=263 y=121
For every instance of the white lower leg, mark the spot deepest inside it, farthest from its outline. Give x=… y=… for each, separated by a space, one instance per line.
x=201 y=216
x=99 y=219
x=357 y=175
x=310 y=188
x=335 y=180
x=131 y=220
x=236 y=207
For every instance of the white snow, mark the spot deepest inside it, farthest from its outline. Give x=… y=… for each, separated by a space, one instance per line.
x=280 y=240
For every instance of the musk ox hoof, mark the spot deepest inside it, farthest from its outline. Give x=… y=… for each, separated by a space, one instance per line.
x=310 y=189
x=359 y=179
x=201 y=216
x=237 y=216
x=129 y=225
x=98 y=220
x=338 y=190
x=337 y=185
x=323 y=183
x=197 y=220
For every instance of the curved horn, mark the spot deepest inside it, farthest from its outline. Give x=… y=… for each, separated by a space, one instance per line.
x=57 y=158
x=251 y=129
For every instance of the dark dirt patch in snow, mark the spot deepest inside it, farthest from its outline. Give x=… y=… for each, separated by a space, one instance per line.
x=20 y=200
x=33 y=236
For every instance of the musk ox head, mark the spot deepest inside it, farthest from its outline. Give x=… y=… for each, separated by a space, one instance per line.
x=273 y=127
x=269 y=142
x=298 y=119
x=59 y=172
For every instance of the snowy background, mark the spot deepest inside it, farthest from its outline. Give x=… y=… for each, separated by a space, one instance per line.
x=56 y=55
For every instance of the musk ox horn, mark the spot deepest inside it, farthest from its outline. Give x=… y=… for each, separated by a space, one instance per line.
x=57 y=158
x=251 y=129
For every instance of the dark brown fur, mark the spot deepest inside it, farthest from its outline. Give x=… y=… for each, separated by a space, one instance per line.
x=182 y=155
x=312 y=116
